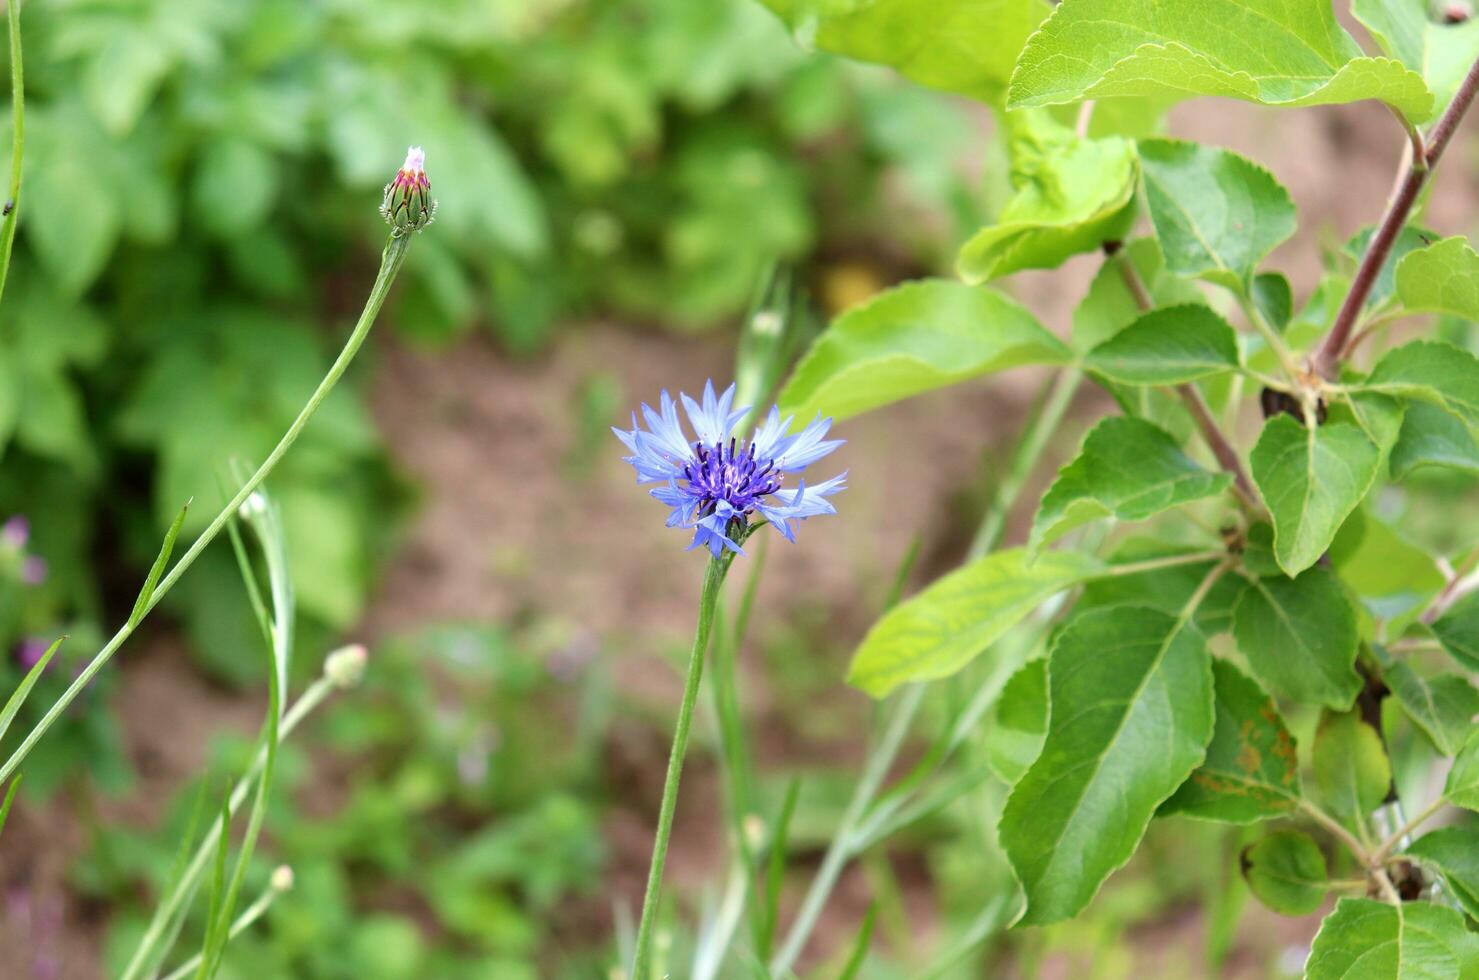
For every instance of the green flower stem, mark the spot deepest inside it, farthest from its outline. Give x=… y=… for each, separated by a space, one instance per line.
x=244 y=921
x=169 y=906
x=842 y=848
x=390 y=264
x=708 y=602
x=18 y=140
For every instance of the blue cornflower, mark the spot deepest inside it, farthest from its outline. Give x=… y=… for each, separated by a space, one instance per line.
x=716 y=482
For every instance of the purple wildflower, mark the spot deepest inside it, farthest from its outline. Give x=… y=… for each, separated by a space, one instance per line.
x=716 y=482
x=15 y=532
x=34 y=570
x=30 y=652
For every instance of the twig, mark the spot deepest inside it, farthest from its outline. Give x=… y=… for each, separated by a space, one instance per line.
x=1403 y=832
x=1334 y=826
x=1424 y=158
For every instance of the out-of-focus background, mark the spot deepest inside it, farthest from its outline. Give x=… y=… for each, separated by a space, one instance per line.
x=615 y=178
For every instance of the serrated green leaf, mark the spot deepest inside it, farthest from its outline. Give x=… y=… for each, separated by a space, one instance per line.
x=1265 y=51
x=1311 y=478
x=1130 y=691
x=1443 y=706
x=943 y=628
x=1167 y=589
x=23 y=690
x=911 y=339
x=141 y=604
x=1300 y=637
x=1018 y=722
x=1168 y=346
x=1434 y=372
x=1462 y=786
x=1455 y=852
x=1431 y=437
x=1252 y=767
x=1351 y=767
x=1458 y=631
x=1392 y=577
x=1442 y=278
x=1378 y=416
x=1217 y=214
x=1287 y=872
x=1127 y=469
x=1365 y=939
x=1409 y=239
x=1406 y=30
x=1274 y=298
x=965 y=48
x=1070 y=195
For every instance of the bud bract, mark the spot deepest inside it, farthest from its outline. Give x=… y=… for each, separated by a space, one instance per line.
x=408 y=204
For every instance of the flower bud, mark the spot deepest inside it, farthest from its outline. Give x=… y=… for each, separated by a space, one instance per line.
x=345 y=666
x=282 y=878
x=408 y=204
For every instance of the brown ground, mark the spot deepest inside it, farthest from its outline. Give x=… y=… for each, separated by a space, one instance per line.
x=503 y=527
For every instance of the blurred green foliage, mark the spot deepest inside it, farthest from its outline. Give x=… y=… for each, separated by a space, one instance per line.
x=199 y=221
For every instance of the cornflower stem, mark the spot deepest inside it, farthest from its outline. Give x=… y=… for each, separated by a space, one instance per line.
x=18 y=141
x=390 y=264
x=1423 y=159
x=168 y=906
x=708 y=602
x=243 y=922
x=841 y=850
x=1386 y=847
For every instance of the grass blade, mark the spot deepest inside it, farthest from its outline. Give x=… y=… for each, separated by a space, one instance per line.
x=13 y=706
x=775 y=872
x=141 y=605
x=18 y=140
x=860 y=945
x=15 y=784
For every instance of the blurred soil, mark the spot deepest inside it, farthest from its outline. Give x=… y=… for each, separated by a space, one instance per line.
x=506 y=526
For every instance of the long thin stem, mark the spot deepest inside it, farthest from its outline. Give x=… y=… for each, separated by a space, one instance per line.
x=1325 y=820
x=1387 y=846
x=168 y=906
x=18 y=141
x=243 y=922
x=390 y=264
x=708 y=601
x=841 y=850
x=1423 y=159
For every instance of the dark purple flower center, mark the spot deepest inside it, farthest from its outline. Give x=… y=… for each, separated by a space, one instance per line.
x=724 y=472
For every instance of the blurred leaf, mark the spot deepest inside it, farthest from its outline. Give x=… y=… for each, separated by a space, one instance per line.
x=1443 y=706
x=1432 y=437
x=940 y=630
x=1099 y=48
x=1287 y=872
x=235 y=186
x=1311 y=477
x=1462 y=787
x=1130 y=716
x=1217 y=214
x=1367 y=938
x=1070 y=195
x=1168 y=346
x=1351 y=767
x=1018 y=722
x=1455 y=852
x=911 y=339
x=1127 y=469
x=1458 y=631
x=75 y=212
x=1439 y=373
x=1392 y=577
x=1251 y=771
x=1300 y=637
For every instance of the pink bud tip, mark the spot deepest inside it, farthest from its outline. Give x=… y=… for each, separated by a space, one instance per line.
x=415 y=160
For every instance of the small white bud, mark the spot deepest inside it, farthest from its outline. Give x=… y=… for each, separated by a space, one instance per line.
x=346 y=665
x=767 y=323
x=754 y=830
x=282 y=878
x=253 y=506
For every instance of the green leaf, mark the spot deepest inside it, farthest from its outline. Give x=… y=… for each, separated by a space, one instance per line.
x=1442 y=278
x=1455 y=852
x=1409 y=239
x=946 y=626
x=1365 y=939
x=1443 y=706
x=1070 y=195
x=1217 y=214
x=1286 y=871
x=1311 y=478
x=1300 y=637
x=1131 y=713
x=23 y=690
x=1018 y=722
x=1274 y=298
x=965 y=48
x=1351 y=766
x=1167 y=589
x=1252 y=768
x=1378 y=416
x=1168 y=346
x=1393 y=577
x=10 y=791
x=1265 y=51
x=1431 y=437
x=1407 y=31
x=1127 y=469
x=1434 y=372
x=235 y=185
x=141 y=604
x=1458 y=631
x=911 y=339
x=1462 y=786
